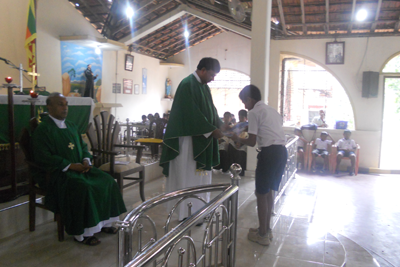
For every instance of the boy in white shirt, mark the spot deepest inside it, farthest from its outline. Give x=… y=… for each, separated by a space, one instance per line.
x=346 y=148
x=320 y=148
x=265 y=129
x=301 y=144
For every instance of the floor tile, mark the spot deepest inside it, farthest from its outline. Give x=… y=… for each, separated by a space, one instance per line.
x=334 y=253
x=278 y=261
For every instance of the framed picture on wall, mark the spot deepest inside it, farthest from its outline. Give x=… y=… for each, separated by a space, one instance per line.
x=144 y=81
x=137 y=89
x=128 y=62
x=334 y=53
x=128 y=86
x=116 y=88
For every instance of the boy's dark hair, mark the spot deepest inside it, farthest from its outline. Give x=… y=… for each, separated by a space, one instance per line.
x=144 y=116
x=243 y=113
x=209 y=63
x=347 y=131
x=227 y=114
x=250 y=91
x=324 y=133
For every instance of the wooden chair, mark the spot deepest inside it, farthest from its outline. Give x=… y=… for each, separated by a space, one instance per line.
x=334 y=162
x=103 y=136
x=34 y=189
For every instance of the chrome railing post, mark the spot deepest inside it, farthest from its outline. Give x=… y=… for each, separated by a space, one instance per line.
x=235 y=170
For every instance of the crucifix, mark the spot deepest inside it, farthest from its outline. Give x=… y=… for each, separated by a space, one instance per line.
x=33 y=93
x=33 y=74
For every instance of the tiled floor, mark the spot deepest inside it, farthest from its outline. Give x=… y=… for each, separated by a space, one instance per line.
x=312 y=227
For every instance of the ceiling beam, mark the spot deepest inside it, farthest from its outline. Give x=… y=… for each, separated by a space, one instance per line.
x=303 y=17
x=195 y=40
x=378 y=10
x=281 y=15
x=141 y=15
x=91 y=11
x=103 y=5
x=327 y=16
x=219 y=22
x=330 y=36
x=154 y=25
x=350 y=27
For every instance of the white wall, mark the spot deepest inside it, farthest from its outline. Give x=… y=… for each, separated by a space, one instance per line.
x=134 y=106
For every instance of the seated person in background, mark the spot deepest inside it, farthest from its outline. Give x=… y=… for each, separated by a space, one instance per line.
x=301 y=144
x=320 y=120
x=346 y=148
x=144 y=119
x=88 y=199
x=236 y=150
x=233 y=118
x=223 y=146
x=320 y=148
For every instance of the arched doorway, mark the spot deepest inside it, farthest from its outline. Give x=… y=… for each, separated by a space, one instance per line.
x=390 y=145
x=225 y=91
x=306 y=88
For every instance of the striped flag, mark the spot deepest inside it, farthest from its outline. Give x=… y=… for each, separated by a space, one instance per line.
x=30 y=40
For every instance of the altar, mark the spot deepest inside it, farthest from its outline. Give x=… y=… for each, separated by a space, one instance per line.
x=80 y=112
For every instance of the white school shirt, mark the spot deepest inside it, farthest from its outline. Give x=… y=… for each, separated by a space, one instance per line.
x=322 y=144
x=266 y=123
x=344 y=144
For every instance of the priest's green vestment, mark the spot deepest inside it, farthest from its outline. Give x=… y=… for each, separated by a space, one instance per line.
x=82 y=199
x=192 y=114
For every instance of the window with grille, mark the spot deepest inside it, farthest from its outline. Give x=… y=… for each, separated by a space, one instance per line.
x=225 y=91
x=306 y=88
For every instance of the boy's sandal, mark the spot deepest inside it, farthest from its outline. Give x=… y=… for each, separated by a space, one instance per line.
x=90 y=241
x=109 y=230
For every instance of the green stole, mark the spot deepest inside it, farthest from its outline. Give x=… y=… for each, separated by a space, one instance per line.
x=193 y=114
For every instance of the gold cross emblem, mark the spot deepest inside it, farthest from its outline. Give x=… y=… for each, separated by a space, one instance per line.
x=71 y=145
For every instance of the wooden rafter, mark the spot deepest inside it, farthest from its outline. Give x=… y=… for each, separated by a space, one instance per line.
x=194 y=36
x=338 y=23
x=327 y=16
x=350 y=27
x=281 y=15
x=142 y=15
x=303 y=17
x=91 y=11
x=378 y=10
x=196 y=40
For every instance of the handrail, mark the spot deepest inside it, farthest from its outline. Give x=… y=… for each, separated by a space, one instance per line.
x=175 y=234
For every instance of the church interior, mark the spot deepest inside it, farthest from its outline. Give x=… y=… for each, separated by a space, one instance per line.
x=340 y=56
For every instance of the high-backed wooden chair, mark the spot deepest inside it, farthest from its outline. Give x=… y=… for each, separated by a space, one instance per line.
x=334 y=162
x=103 y=136
x=34 y=189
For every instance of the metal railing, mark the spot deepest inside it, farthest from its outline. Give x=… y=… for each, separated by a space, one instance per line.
x=218 y=244
x=291 y=166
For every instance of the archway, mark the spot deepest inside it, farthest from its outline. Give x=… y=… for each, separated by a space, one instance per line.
x=305 y=88
x=225 y=91
x=390 y=144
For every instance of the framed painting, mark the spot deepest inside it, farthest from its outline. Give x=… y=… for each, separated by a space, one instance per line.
x=334 y=53
x=128 y=62
x=128 y=86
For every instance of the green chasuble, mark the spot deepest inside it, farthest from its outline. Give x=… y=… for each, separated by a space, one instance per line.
x=193 y=114
x=82 y=199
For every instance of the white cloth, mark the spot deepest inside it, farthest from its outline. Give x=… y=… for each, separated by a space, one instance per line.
x=182 y=174
x=95 y=229
x=266 y=123
x=318 y=121
x=61 y=124
x=301 y=143
x=348 y=144
x=322 y=144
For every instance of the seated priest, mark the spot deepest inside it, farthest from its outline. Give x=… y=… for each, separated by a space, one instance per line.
x=88 y=199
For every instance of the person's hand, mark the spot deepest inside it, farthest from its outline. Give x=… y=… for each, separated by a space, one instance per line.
x=78 y=167
x=217 y=134
x=86 y=166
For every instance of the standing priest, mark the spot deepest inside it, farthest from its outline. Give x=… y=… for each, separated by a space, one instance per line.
x=89 y=88
x=190 y=147
x=88 y=199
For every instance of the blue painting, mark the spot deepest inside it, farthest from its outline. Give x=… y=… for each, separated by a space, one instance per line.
x=74 y=61
x=144 y=81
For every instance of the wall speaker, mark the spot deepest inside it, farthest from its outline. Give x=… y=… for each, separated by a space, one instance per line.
x=370 y=83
